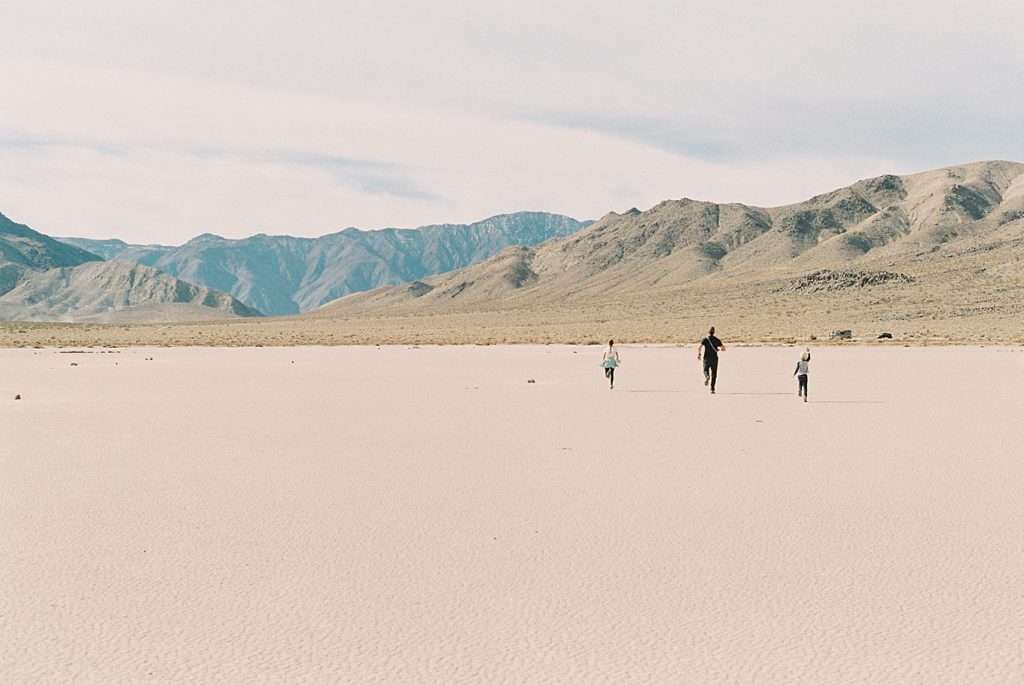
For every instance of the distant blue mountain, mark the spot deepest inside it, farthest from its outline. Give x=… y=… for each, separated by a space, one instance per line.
x=288 y=275
x=44 y=279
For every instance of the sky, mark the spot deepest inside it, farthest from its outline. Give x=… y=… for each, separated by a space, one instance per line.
x=158 y=121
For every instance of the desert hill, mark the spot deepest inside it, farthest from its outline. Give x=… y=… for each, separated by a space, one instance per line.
x=916 y=222
x=111 y=291
x=287 y=275
x=42 y=279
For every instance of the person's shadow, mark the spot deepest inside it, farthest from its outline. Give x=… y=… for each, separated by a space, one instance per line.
x=658 y=391
x=788 y=394
x=769 y=394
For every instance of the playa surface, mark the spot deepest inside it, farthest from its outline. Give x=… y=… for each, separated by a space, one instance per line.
x=426 y=515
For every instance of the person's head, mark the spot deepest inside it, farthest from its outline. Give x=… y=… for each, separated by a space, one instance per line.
x=611 y=343
x=806 y=356
x=711 y=331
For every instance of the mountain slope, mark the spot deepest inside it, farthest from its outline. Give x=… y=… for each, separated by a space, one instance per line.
x=43 y=279
x=22 y=246
x=678 y=244
x=104 y=288
x=286 y=275
x=114 y=248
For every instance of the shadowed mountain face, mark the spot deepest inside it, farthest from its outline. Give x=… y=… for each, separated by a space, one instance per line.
x=43 y=279
x=27 y=248
x=917 y=221
x=287 y=275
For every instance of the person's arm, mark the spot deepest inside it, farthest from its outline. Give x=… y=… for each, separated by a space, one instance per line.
x=700 y=349
x=797 y=368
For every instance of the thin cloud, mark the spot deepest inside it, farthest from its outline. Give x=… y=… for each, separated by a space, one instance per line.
x=670 y=134
x=453 y=112
x=368 y=176
x=925 y=133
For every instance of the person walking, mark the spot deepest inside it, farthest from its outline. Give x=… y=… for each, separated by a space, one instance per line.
x=610 y=362
x=803 y=368
x=709 y=348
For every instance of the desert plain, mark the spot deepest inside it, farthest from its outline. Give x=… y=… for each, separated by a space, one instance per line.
x=429 y=515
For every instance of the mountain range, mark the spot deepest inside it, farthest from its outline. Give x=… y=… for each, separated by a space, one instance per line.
x=286 y=275
x=939 y=252
x=953 y=237
x=45 y=279
x=81 y=279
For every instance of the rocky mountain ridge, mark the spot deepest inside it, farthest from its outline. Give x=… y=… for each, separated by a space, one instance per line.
x=688 y=244
x=42 y=279
x=286 y=275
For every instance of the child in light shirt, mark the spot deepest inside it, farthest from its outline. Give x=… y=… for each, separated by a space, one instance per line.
x=803 y=368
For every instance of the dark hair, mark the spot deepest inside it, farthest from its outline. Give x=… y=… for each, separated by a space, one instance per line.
x=711 y=331
x=611 y=343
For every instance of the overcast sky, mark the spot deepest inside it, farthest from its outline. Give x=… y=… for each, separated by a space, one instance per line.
x=156 y=121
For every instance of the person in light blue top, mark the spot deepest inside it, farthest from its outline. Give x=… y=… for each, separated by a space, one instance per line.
x=803 y=369
x=609 y=363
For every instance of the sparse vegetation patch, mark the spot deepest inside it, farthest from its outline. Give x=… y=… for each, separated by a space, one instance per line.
x=828 y=280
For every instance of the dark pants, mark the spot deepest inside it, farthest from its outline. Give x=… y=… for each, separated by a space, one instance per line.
x=802 y=380
x=711 y=371
x=609 y=373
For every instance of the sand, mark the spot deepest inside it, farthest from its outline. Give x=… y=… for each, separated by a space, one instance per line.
x=394 y=515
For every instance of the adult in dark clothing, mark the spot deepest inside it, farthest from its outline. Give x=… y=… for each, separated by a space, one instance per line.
x=709 y=348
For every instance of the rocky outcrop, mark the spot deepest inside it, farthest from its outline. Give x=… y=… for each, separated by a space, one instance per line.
x=827 y=280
